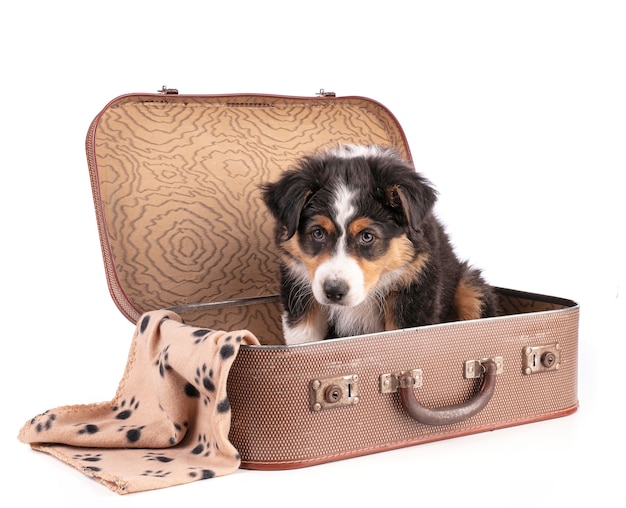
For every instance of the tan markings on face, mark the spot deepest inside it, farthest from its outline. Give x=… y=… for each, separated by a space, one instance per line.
x=358 y=225
x=467 y=301
x=292 y=247
x=398 y=255
x=324 y=222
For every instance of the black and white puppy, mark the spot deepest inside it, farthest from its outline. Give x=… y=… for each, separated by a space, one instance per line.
x=362 y=252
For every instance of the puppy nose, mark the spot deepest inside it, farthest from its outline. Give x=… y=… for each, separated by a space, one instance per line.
x=335 y=290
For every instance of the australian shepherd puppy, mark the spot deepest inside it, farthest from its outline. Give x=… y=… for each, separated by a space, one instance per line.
x=361 y=250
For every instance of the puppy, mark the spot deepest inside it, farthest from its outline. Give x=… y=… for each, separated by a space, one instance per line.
x=362 y=252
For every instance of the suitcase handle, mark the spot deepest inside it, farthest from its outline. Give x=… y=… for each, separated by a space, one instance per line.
x=449 y=414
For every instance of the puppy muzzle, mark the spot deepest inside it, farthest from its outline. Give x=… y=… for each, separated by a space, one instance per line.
x=336 y=291
x=339 y=282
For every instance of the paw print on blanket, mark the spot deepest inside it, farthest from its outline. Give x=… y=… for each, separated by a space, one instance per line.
x=48 y=418
x=163 y=361
x=125 y=411
x=174 y=439
x=201 y=474
x=158 y=457
x=133 y=434
x=224 y=405
x=156 y=474
x=191 y=390
x=90 y=458
x=202 y=448
x=204 y=376
x=87 y=428
x=228 y=350
x=201 y=335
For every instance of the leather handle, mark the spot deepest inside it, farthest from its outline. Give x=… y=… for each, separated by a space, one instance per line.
x=449 y=414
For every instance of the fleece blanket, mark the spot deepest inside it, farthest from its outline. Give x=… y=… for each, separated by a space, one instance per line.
x=169 y=421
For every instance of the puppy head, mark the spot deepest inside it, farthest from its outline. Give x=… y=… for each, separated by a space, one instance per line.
x=347 y=218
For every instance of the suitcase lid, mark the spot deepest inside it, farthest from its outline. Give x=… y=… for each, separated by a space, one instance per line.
x=175 y=181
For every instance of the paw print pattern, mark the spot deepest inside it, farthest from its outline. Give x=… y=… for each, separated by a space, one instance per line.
x=201 y=335
x=47 y=425
x=156 y=474
x=88 y=428
x=125 y=411
x=158 y=457
x=205 y=375
x=202 y=448
x=202 y=474
x=133 y=434
x=191 y=390
x=164 y=446
x=144 y=323
x=223 y=406
x=90 y=458
x=162 y=361
x=228 y=350
x=178 y=428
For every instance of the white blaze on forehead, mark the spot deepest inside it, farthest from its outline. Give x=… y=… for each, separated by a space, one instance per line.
x=341 y=267
x=343 y=206
x=352 y=151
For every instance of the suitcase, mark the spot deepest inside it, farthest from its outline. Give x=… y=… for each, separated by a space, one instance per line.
x=175 y=181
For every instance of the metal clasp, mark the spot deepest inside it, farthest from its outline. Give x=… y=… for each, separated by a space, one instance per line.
x=331 y=392
x=538 y=359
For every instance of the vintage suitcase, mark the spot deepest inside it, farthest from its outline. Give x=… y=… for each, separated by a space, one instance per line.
x=175 y=181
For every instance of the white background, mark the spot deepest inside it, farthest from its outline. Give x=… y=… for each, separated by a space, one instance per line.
x=516 y=111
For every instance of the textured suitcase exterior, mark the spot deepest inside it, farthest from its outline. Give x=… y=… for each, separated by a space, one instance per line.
x=175 y=181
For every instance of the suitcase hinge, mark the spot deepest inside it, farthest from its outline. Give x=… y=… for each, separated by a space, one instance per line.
x=324 y=93
x=168 y=91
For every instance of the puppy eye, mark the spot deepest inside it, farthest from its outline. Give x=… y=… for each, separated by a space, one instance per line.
x=318 y=234
x=366 y=237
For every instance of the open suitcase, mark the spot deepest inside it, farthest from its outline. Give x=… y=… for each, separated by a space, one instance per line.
x=175 y=181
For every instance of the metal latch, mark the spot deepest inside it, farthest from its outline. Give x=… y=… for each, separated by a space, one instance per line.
x=474 y=368
x=331 y=392
x=538 y=359
x=389 y=383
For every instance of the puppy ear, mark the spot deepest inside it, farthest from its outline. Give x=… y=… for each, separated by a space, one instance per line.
x=285 y=200
x=415 y=196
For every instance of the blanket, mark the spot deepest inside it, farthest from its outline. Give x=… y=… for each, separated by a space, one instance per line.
x=169 y=421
